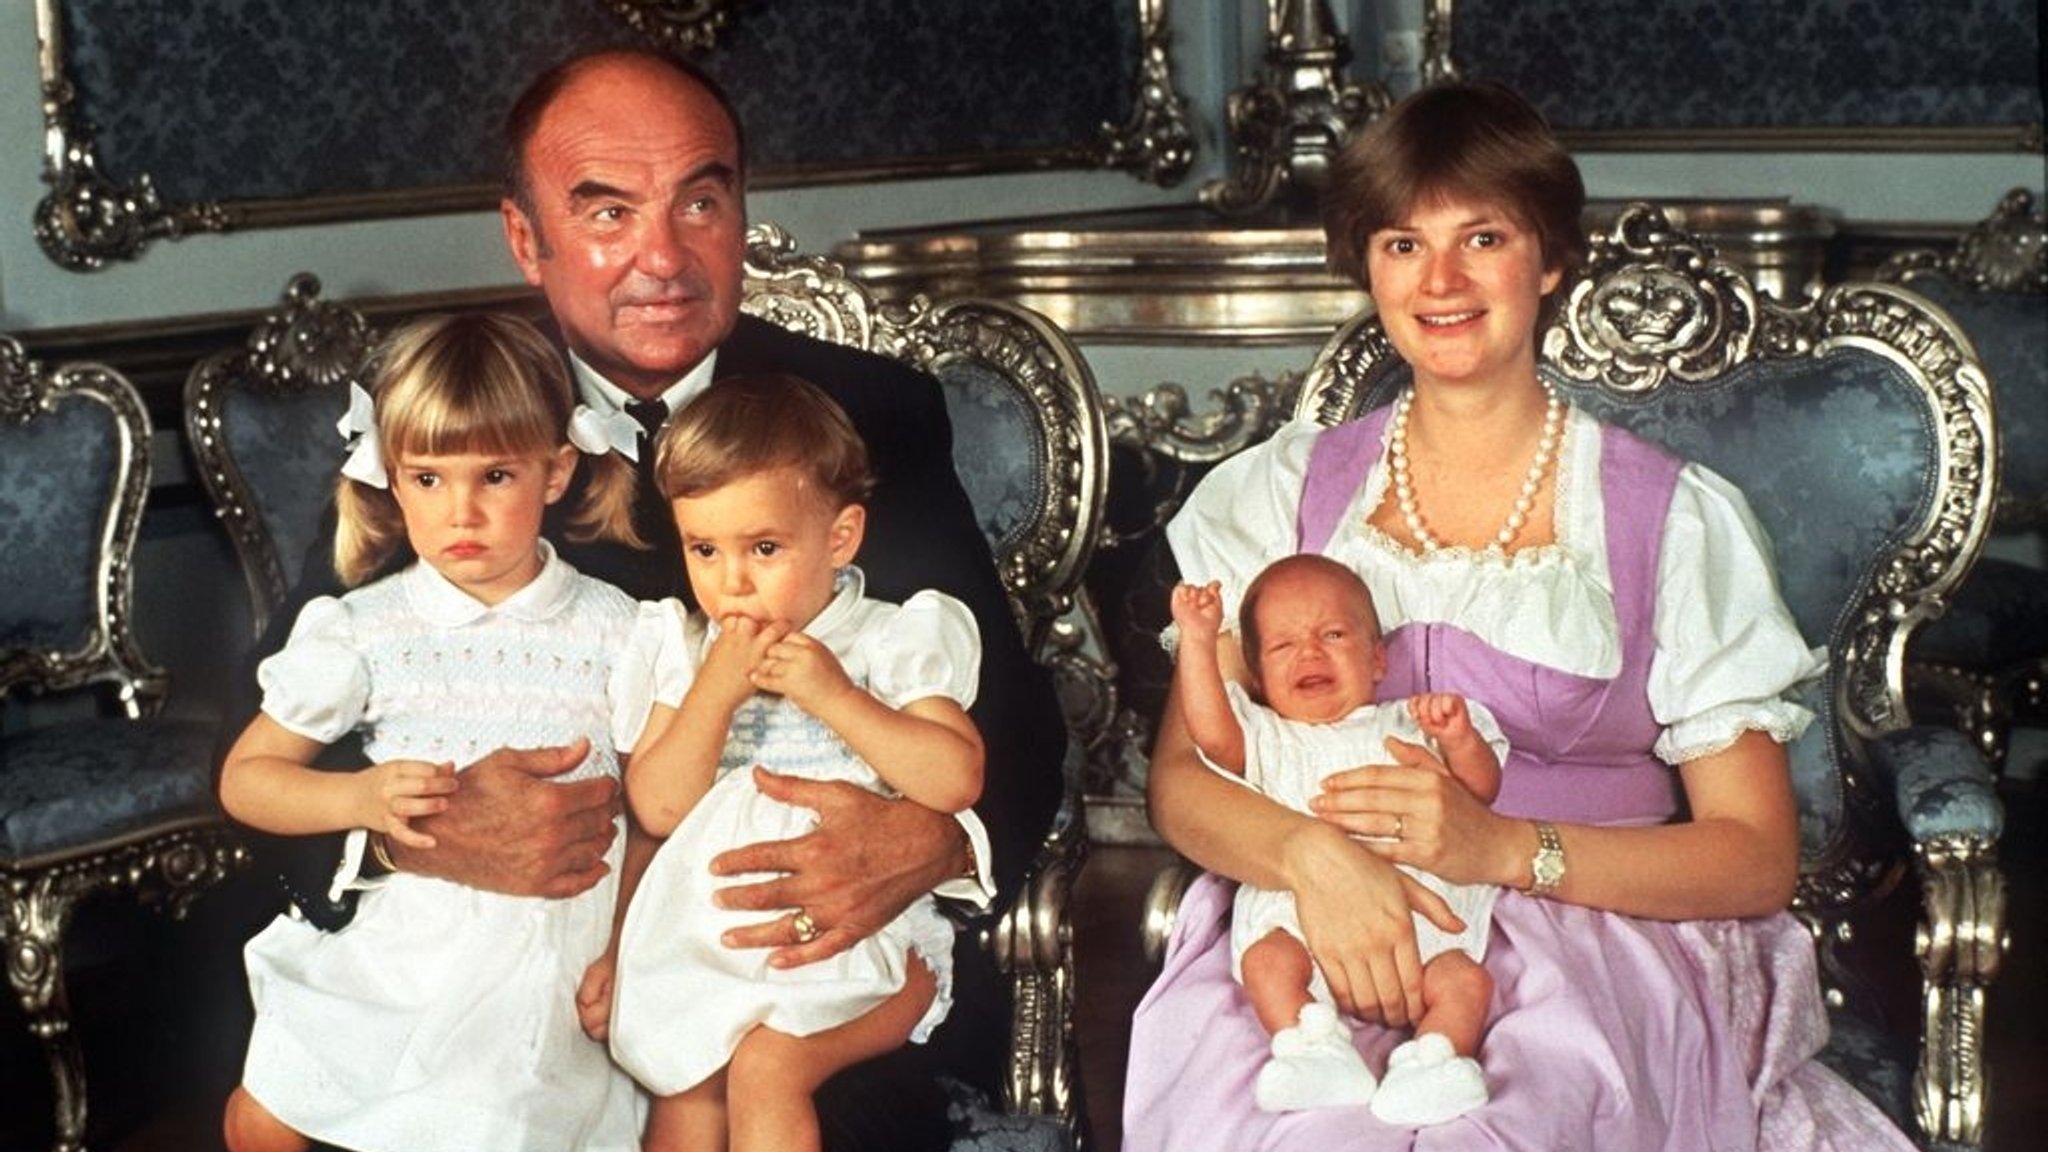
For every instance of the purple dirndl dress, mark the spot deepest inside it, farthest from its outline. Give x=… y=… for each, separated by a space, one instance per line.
x=1608 y=1031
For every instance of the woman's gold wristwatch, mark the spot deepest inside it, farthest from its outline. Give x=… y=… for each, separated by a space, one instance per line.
x=1546 y=867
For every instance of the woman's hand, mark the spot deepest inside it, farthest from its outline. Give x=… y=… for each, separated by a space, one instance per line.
x=1414 y=812
x=1355 y=914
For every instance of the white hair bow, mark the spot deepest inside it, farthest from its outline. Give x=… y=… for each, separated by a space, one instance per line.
x=358 y=428
x=597 y=433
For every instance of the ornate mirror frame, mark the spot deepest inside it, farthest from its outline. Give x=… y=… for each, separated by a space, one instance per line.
x=91 y=217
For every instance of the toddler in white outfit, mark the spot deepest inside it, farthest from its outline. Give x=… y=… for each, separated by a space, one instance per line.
x=785 y=666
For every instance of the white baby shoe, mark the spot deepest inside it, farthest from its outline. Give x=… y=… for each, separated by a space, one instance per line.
x=1428 y=1083
x=1313 y=1066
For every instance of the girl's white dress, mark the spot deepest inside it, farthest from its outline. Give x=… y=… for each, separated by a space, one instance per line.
x=443 y=1019
x=684 y=999
x=1288 y=759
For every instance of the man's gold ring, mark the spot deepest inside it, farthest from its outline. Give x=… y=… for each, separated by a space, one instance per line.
x=1400 y=822
x=806 y=928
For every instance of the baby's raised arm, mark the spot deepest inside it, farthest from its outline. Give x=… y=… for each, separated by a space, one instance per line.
x=1444 y=717
x=269 y=783
x=1198 y=674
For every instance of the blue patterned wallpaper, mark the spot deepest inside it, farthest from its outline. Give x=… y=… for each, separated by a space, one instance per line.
x=243 y=99
x=1594 y=64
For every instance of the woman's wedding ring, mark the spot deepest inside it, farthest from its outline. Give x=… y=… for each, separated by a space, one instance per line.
x=806 y=928
x=1400 y=822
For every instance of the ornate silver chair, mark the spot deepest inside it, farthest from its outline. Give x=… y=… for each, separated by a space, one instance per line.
x=1161 y=444
x=1031 y=446
x=111 y=802
x=1859 y=426
x=1987 y=660
x=260 y=421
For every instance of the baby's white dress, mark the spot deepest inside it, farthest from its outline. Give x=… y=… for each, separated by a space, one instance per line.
x=684 y=999
x=1288 y=759
x=443 y=1019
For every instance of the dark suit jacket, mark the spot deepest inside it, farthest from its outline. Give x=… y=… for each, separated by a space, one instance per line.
x=921 y=533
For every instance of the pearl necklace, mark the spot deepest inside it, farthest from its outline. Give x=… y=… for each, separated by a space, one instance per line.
x=1525 y=500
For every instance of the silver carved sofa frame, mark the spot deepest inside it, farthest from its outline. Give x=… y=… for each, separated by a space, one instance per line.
x=1986 y=663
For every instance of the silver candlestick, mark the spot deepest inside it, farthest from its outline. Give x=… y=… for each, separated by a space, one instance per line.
x=1287 y=127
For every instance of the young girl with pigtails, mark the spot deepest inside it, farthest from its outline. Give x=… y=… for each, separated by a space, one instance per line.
x=444 y=1017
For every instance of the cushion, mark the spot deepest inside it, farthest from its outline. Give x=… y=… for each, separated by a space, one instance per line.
x=67 y=787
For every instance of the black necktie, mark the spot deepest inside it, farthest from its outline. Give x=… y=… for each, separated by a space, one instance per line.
x=650 y=414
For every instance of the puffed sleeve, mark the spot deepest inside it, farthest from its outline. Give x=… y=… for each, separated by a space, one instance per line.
x=1728 y=649
x=656 y=667
x=1243 y=514
x=928 y=647
x=317 y=685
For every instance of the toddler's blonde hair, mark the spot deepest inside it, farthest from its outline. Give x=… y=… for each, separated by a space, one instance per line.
x=474 y=382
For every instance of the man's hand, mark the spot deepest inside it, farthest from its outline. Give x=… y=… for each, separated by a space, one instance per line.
x=510 y=828
x=867 y=860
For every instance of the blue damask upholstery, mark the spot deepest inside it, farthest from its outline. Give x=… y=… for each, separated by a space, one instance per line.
x=1860 y=430
x=1749 y=64
x=116 y=803
x=260 y=420
x=997 y=450
x=90 y=782
x=46 y=515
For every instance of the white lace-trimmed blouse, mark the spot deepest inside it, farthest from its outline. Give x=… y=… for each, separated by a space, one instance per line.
x=1727 y=647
